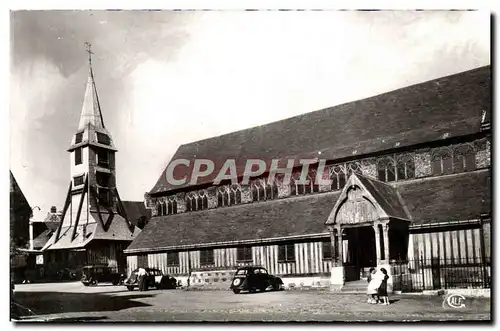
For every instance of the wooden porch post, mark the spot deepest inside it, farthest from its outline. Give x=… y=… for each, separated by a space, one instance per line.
x=340 y=246
x=385 y=230
x=377 y=241
x=333 y=244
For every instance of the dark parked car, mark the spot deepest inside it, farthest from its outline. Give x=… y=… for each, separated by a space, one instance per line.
x=254 y=278
x=95 y=274
x=154 y=278
x=66 y=274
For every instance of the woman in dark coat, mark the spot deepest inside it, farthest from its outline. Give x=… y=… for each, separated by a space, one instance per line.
x=382 y=290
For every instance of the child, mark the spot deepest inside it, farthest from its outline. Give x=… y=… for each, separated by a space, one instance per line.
x=373 y=285
x=382 y=290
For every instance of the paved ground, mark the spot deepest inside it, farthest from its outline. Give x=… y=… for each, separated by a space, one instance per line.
x=64 y=302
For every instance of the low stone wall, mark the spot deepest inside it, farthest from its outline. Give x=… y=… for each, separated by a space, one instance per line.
x=209 y=279
x=306 y=282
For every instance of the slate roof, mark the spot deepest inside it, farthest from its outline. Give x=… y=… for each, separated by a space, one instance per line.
x=386 y=196
x=448 y=198
x=270 y=219
x=118 y=230
x=439 y=199
x=135 y=210
x=416 y=114
x=40 y=240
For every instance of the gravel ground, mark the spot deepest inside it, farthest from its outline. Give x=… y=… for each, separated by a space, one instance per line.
x=63 y=302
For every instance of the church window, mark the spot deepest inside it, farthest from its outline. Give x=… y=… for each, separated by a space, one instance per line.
x=104 y=197
x=386 y=169
x=78 y=156
x=174 y=206
x=78 y=180
x=337 y=177
x=188 y=203
x=103 y=138
x=406 y=167
x=327 y=250
x=442 y=162
x=103 y=179
x=200 y=202
x=222 y=197
x=353 y=168
x=464 y=159
x=103 y=158
x=173 y=258
x=194 y=203
x=286 y=253
x=244 y=254
x=78 y=137
x=238 y=196
x=255 y=193
x=206 y=257
x=235 y=195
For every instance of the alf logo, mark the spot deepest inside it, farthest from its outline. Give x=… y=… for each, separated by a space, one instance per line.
x=454 y=301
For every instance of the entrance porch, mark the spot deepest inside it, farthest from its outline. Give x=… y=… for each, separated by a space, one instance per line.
x=368 y=227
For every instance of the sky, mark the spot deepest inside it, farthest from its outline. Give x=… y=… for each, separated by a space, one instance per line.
x=168 y=78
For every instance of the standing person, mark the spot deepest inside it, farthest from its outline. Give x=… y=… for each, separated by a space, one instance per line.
x=382 y=291
x=374 y=281
x=142 y=279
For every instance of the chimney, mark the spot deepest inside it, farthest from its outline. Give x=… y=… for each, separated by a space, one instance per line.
x=53 y=209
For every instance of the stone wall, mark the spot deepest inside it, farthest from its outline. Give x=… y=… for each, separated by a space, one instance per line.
x=423 y=166
x=483 y=153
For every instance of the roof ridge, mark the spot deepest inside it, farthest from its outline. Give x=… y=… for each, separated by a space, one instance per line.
x=334 y=107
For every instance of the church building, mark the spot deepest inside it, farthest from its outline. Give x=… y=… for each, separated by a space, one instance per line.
x=94 y=227
x=410 y=191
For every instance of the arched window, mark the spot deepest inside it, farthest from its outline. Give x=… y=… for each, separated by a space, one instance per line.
x=337 y=177
x=255 y=192
x=205 y=202
x=222 y=197
x=353 y=168
x=232 y=198
x=269 y=191
x=238 y=196
x=293 y=187
x=261 y=190
x=442 y=162
x=188 y=203
x=386 y=169
x=405 y=167
x=464 y=159
x=235 y=195
x=158 y=209
x=169 y=207
x=275 y=191
x=199 y=202
x=219 y=199
x=163 y=208
x=174 y=206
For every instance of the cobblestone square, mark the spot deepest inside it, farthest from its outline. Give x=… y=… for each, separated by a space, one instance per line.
x=61 y=302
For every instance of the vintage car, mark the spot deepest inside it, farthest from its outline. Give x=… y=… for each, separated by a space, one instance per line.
x=95 y=274
x=254 y=278
x=154 y=278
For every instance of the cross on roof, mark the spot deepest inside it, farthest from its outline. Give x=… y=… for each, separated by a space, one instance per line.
x=89 y=50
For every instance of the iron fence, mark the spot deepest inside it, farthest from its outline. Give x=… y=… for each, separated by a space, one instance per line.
x=436 y=273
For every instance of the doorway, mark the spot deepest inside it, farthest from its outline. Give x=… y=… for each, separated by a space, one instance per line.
x=361 y=253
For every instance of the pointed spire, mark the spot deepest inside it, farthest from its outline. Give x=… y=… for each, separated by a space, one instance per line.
x=91 y=110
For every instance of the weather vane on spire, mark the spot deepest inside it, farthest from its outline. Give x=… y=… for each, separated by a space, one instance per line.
x=89 y=50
